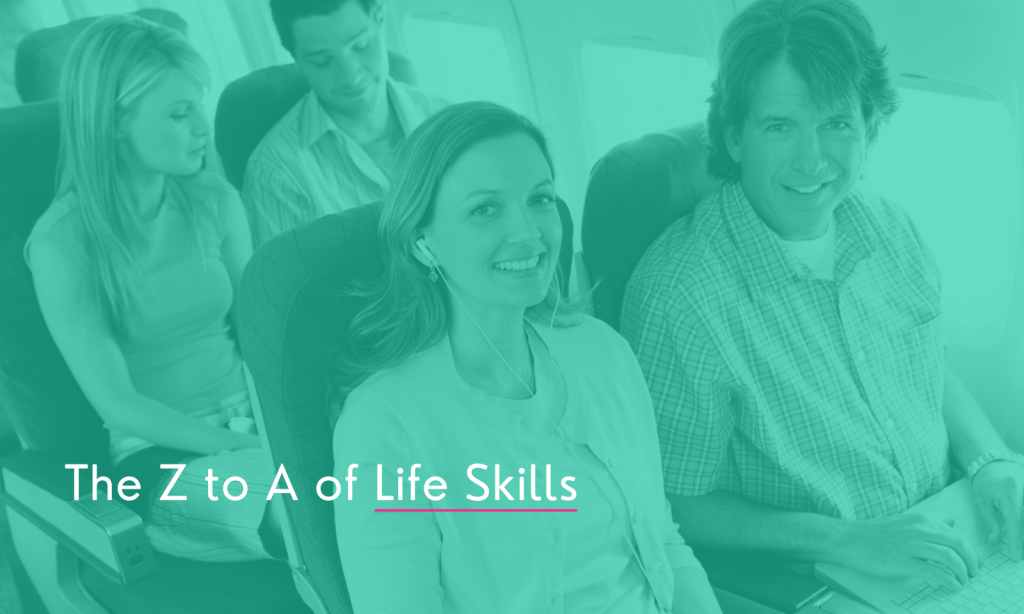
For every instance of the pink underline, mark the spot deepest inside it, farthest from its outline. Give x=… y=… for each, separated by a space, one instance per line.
x=475 y=510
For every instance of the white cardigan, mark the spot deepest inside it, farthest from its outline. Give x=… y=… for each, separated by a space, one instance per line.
x=421 y=412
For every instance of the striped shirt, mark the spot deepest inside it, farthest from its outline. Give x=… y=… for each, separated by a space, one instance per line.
x=306 y=167
x=794 y=391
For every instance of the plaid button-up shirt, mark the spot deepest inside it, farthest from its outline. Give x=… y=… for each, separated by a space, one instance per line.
x=793 y=391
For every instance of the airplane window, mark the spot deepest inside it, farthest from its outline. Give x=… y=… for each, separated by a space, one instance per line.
x=281 y=54
x=633 y=90
x=950 y=160
x=461 y=61
x=52 y=13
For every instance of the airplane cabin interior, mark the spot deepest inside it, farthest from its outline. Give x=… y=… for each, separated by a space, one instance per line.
x=621 y=92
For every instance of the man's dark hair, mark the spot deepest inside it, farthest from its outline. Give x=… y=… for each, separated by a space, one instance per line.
x=829 y=44
x=285 y=12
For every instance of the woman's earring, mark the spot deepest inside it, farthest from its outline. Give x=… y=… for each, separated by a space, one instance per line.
x=433 y=272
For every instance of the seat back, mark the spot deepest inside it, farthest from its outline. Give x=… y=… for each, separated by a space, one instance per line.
x=294 y=316
x=39 y=57
x=251 y=105
x=636 y=190
x=38 y=392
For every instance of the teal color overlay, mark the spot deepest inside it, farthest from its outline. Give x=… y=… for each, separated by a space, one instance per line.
x=511 y=306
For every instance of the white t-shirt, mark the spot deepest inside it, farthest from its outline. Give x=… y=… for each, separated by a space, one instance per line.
x=818 y=254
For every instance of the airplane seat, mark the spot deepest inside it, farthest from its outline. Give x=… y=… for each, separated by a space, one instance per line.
x=49 y=411
x=251 y=105
x=82 y=556
x=635 y=191
x=39 y=57
x=294 y=315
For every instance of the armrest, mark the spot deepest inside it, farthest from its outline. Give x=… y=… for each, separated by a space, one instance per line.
x=762 y=579
x=105 y=534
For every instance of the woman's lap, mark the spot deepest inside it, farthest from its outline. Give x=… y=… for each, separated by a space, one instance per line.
x=217 y=531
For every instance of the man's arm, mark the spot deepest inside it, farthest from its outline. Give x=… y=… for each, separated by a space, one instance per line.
x=999 y=486
x=898 y=546
x=689 y=382
x=728 y=521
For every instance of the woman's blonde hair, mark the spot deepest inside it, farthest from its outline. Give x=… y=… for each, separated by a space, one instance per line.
x=111 y=65
x=406 y=312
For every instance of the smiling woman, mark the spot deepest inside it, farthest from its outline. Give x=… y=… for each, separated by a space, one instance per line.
x=494 y=229
x=473 y=361
x=491 y=210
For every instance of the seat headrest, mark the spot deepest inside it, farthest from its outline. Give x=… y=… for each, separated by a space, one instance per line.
x=636 y=190
x=37 y=390
x=251 y=105
x=40 y=55
x=294 y=316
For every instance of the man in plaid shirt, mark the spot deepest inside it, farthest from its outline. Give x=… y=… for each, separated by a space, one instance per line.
x=790 y=329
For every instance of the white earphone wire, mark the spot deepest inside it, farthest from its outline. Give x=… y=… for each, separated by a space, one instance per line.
x=533 y=394
x=486 y=338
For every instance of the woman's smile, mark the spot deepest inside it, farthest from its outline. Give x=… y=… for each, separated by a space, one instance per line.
x=522 y=266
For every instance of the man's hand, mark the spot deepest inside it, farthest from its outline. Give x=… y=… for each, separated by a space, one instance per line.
x=999 y=493
x=911 y=545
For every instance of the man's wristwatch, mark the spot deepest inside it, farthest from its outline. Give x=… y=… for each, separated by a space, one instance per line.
x=990 y=457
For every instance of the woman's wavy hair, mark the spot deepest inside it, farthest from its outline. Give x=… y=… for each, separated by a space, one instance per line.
x=829 y=43
x=405 y=312
x=111 y=65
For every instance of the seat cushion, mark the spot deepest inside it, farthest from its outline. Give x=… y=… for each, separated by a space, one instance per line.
x=189 y=587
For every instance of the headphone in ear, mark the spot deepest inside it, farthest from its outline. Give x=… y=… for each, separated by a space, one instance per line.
x=422 y=244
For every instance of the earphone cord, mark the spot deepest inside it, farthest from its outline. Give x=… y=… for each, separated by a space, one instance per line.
x=533 y=394
x=486 y=338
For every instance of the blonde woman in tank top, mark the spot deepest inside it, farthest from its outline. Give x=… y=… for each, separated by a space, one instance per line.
x=136 y=264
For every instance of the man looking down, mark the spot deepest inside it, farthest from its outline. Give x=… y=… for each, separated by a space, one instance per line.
x=333 y=150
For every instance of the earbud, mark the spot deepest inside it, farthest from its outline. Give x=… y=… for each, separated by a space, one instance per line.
x=422 y=244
